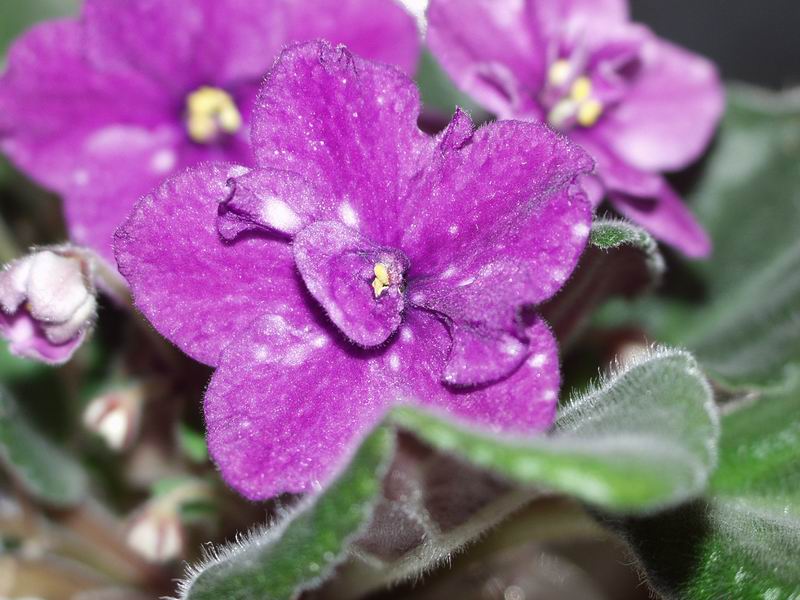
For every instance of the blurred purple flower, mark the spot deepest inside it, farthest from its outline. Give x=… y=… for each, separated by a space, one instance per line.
x=360 y=265
x=638 y=104
x=103 y=107
x=47 y=303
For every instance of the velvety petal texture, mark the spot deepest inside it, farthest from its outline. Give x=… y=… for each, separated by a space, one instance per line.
x=361 y=264
x=639 y=105
x=102 y=108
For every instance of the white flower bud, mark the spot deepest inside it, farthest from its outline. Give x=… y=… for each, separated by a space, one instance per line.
x=156 y=534
x=48 y=303
x=116 y=416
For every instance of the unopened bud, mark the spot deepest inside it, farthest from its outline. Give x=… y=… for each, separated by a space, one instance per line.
x=156 y=533
x=116 y=416
x=48 y=303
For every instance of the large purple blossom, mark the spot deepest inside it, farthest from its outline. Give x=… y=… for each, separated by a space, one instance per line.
x=638 y=104
x=361 y=264
x=103 y=107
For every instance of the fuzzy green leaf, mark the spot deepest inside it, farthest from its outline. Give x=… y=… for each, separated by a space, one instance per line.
x=643 y=440
x=743 y=540
x=298 y=552
x=42 y=469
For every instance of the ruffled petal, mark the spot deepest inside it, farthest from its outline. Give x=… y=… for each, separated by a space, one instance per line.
x=668 y=219
x=669 y=115
x=348 y=126
x=195 y=288
x=495 y=220
x=381 y=30
x=524 y=402
x=489 y=49
x=290 y=403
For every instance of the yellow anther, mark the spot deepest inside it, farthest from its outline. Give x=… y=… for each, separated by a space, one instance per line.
x=209 y=111
x=581 y=89
x=589 y=112
x=559 y=72
x=381 y=281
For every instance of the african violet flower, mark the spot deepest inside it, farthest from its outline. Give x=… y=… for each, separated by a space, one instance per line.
x=48 y=303
x=102 y=108
x=638 y=104
x=360 y=264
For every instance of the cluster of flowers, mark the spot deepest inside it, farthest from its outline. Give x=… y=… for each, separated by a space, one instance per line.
x=280 y=216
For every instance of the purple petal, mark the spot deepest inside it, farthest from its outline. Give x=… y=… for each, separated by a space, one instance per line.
x=277 y=201
x=27 y=339
x=557 y=16
x=495 y=220
x=668 y=219
x=338 y=267
x=346 y=125
x=481 y=355
x=289 y=404
x=670 y=113
x=490 y=51
x=616 y=174
x=53 y=103
x=525 y=402
x=182 y=44
x=196 y=289
x=381 y=30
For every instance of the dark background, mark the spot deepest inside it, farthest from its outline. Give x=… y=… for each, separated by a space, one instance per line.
x=756 y=41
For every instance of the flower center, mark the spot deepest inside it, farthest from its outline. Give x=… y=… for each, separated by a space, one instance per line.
x=211 y=111
x=571 y=97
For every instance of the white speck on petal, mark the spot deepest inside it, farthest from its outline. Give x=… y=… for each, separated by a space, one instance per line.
x=537 y=361
x=580 y=230
x=406 y=335
x=163 y=161
x=394 y=362
x=467 y=281
x=550 y=395
x=80 y=176
x=280 y=215
x=348 y=214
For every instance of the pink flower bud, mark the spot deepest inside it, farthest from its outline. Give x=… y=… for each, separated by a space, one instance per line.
x=156 y=533
x=48 y=303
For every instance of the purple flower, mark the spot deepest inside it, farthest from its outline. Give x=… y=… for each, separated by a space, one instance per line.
x=360 y=265
x=47 y=303
x=638 y=104
x=102 y=108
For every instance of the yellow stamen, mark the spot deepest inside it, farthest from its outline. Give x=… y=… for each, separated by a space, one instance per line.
x=559 y=72
x=581 y=89
x=589 y=112
x=381 y=281
x=209 y=111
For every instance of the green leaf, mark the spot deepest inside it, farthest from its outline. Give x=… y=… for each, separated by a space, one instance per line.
x=42 y=469
x=192 y=444
x=743 y=540
x=742 y=322
x=298 y=552
x=642 y=440
x=439 y=92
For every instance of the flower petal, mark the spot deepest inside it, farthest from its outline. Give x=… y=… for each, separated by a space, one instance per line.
x=196 y=289
x=523 y=402
x=495 y=221
x=481 y=355
x=346 y=125
x=27 y=339
x=381 y=30
x=290 y=403
x=668 y=219
x=340 y=269
x=182 y=44
x=669 y=114
x=490 y=51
